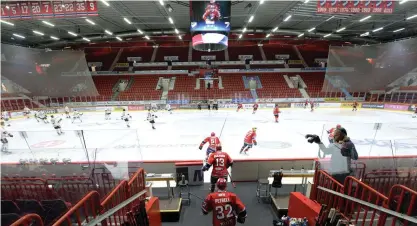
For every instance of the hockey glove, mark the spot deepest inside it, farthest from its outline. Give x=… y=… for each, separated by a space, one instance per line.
x=255 y=143
x=205 y=167
x=313 y=138
x=241 y=217
x=201 y=147
x=11 y=135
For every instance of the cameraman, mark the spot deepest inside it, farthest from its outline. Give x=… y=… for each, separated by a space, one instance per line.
x=342 y=151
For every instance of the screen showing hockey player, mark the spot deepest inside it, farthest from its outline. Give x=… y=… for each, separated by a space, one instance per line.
x=46 y=73
x=385 y=66
x=210 y=15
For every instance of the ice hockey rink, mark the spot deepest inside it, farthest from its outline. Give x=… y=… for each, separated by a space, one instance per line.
x=178 y=135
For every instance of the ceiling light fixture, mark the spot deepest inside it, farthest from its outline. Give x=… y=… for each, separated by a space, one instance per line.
x=244 y=30
x=240 y=36
x=72 y=33
x=311 y=29
x=86 y=39
x=161 y=2
x=275 y=29
x=19 y=36
x=301 y=35
x=330 y=18
x=47 y=23
x=411 y=17
x=147 y=37
x=54 y=38
x=364 y=34
x=327 y=35
x=105 y=2
x=403 y=1
x=38 y=32
x=287 y=18
x=306 y=1
x=118 y=38
x=171 y=20
x=90 y=21
x=176 y=31
x=341 y=29
x=399 y=30
x=251 y=18
x=5 y=22
x=108 y=32
x=261 y=2
x=268 y=35
x=140 y=31
x=127 y=20
x=365 y=18
x=179 y=36
x=378 y=29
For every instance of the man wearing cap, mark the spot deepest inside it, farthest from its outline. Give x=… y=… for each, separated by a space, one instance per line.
x=342 y=151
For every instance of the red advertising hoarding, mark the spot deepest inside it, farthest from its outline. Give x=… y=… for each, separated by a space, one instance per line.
x=355 y=6
x=45 y=9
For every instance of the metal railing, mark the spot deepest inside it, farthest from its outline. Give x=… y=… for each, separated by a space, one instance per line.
x=29 y=220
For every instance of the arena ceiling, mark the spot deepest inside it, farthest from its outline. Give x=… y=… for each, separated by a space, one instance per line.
x=151 y=19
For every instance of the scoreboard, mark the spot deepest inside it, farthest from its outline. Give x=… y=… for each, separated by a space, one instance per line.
x=47 y=9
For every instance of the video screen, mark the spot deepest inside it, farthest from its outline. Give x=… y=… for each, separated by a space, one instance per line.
x=372 y=67
x=46 y=73
x=210 y=16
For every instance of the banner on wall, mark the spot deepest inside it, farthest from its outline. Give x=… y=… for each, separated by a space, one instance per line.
x=356 y=6
x=371 y=105
x=211 y=57
x=122 y=65
x=282 y=56
x=331 y=99
x=96 y=64
x=130 y=59
x=245 y=57
x=396 y=107
x=295 y=62
x=171 y=58
x=318 y=60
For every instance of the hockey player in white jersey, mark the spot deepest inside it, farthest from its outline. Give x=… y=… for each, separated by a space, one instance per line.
x=127 y=119
x=67 y=112
x=26 y=112
x=36 y=115
x=154 y=107
x=76 y=115
x=107 y=114
x=5 y=115
x=42 y=116
x=168 y=108
x=56 y=123
x=151 y=118
x=124 y=112
x=4 y=141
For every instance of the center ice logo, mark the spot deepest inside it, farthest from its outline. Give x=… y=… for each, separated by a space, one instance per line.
x=48 y=144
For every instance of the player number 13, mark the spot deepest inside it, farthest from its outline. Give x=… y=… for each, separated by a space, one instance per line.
x=219 y=162
x=220 y=211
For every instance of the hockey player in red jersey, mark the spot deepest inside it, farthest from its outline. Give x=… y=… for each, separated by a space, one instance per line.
x=311 y=106
x=276 y=112
x=306 y=104
x=331 y=132
x=213 y=141
x=227 y=207
x=355 y=106
x=220 y=161
x=239 y=106
x=255 y=108
x=250 y=139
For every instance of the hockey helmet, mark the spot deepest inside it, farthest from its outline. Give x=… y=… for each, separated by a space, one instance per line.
x=219 y=148
x=213 y=134
x=338 y=126
x=254 y=128
x=221 y=184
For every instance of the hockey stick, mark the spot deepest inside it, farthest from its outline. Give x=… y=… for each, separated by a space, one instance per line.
x=231 y=179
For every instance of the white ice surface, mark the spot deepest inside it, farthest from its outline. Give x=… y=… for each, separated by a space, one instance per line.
x=178 y=136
